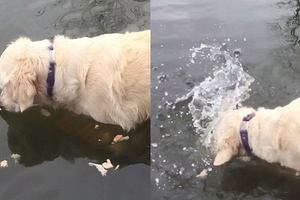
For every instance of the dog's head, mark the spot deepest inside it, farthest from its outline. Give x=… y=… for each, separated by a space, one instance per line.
x=20 y=64
x=226 y=134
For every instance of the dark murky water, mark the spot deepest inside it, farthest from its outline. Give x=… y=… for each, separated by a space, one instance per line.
x=267 y=32
x=55 y=150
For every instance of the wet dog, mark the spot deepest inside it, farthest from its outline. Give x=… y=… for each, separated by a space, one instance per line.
x=270 y=134
x=106 y=77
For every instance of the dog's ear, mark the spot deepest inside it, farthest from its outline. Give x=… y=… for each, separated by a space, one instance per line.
x=22 y=85
x=223 y=156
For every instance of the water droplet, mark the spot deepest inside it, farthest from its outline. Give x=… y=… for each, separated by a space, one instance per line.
x=154 y=144
x=162 y=78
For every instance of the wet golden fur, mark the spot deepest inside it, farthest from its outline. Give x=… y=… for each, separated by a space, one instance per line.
x=274 y=135
x=106 y=77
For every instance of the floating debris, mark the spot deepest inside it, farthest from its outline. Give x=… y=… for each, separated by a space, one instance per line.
x=96 y=126
x=117 y=167
x=297 y=174
x=99 y=167
x=3 y=163
x=202 y=174
x=107 y=164
x=245 y=158
x=39 y=13
x=154 y=144
x=45 y=113
x=16 y=157
x=117 y=138
x=124 y=138
x=209 y=169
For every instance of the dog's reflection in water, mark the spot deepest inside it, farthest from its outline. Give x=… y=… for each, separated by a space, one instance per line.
x=37 y=138
x=259 y=180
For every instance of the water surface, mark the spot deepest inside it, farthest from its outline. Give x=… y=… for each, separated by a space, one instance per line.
x=267 y=33
x=55 y=150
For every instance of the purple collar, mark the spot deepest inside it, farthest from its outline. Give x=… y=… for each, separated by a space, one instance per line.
x=51 y=73
x=244 y=132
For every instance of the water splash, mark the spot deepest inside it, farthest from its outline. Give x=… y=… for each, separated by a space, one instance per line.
x=226 y=90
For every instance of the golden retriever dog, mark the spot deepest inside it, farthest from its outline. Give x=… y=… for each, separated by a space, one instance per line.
x=270 y=134
x=106 y=77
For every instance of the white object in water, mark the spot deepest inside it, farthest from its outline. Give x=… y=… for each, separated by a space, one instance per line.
x=117 y=167
x=99 y=167
x=96 y=126
x=245 y=158
x=154 y=144
x=3 y=163
x=45 y=113
x=16 y=157
x=107 y=164
x=124 y=138
x=202 y=174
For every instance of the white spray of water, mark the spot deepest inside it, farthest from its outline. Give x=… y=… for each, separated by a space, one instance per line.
x=227 y=89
